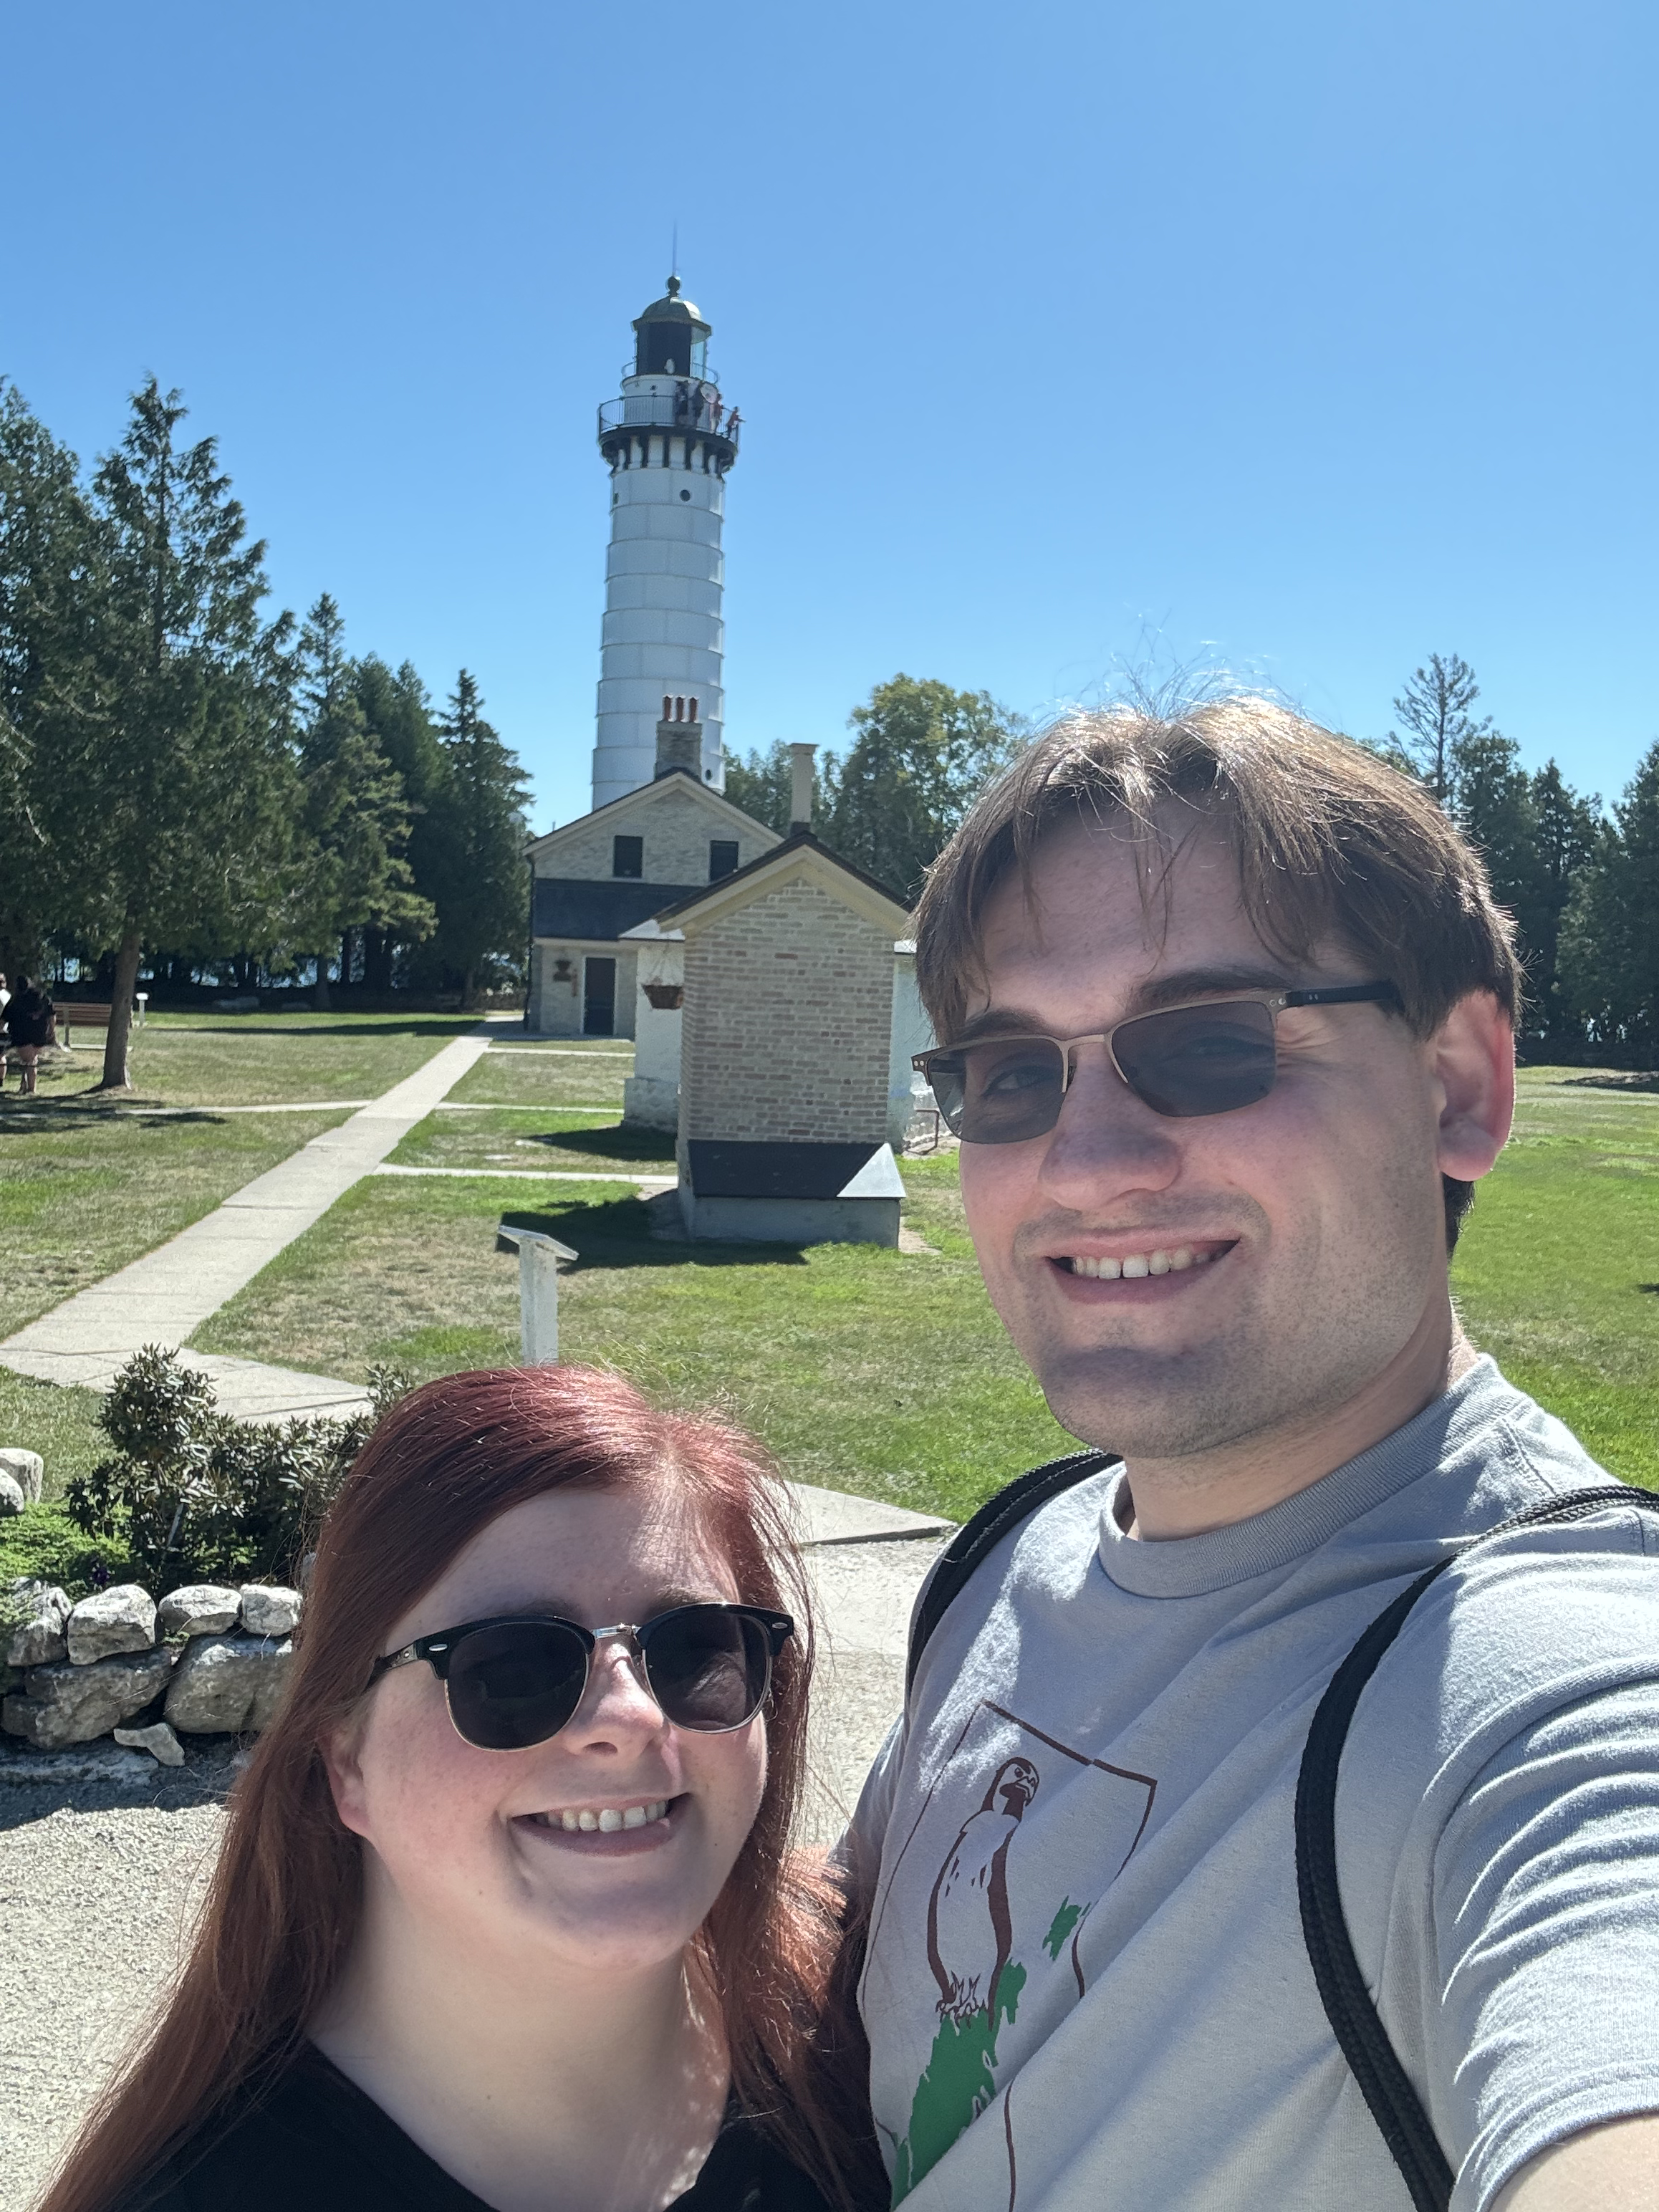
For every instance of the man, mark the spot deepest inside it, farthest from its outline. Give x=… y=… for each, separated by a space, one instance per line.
x=1215 y=1218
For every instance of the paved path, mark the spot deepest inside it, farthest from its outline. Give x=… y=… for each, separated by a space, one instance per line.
x=166 y=1296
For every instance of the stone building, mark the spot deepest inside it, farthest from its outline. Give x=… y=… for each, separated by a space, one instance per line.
x=786 y=1048
x=594 y=879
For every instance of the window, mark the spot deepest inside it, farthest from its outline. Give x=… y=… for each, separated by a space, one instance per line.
x=722 y=858
x=628 y=856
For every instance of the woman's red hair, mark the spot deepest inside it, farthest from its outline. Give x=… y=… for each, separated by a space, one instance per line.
x=282 y=1910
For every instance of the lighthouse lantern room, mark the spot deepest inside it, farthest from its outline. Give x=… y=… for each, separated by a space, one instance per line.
x=668 y=441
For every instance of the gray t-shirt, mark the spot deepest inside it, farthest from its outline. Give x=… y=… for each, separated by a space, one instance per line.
x=1086 y=1982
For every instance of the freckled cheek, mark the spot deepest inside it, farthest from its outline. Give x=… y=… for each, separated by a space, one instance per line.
x=426 y=1791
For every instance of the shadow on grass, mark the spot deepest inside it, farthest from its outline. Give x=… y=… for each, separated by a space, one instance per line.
x=1640 y=1081
x=618 y=1235
x=94 y=1110
x=310 y=1025
x=618 y=1143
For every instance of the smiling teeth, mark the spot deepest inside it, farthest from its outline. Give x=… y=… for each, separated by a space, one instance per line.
x=1141 y=1263
x=608 y=1817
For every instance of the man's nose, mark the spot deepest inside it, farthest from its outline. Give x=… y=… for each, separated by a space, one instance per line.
x=1106 y=1139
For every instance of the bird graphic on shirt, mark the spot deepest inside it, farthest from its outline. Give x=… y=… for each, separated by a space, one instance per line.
x=969 y=1928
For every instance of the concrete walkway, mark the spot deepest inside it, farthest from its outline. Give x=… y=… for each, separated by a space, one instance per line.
x=166 y=1296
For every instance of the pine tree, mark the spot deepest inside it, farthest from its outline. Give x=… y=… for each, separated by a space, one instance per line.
x=179 y=810
x=355 y=810
x=483 y=881
x=49 y=587
x=1435 y=709
x=1609 y=953
x=397 y=713
x=1567 y=834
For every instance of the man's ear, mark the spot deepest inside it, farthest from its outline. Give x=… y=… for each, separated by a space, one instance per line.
x=1472 y=1063
x=343 y=1759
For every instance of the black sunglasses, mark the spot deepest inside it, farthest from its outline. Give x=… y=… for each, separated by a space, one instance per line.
x=1210 y=1057
x=515 y=1681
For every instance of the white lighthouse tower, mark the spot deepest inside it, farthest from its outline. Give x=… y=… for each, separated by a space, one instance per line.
x=669 y=440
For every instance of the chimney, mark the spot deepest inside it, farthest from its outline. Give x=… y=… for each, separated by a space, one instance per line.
x=800 y=787
x=679 y=737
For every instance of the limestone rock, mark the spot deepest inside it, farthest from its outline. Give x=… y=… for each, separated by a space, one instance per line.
x=122 y=1619
x=227 y=1684
x=26 y=1469
x=201 y=1609
x=268 y=1609
x=12 y=1500
x=38 y=1639
x=69 y=1703
x=157 y=1738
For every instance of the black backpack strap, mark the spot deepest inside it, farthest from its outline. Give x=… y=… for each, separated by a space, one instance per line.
x=977 y=1538
x=1394 y=2103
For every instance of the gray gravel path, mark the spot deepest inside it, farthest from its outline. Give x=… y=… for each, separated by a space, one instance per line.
x=97 y=1883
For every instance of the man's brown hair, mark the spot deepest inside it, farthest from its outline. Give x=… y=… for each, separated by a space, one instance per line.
x=1332 y=843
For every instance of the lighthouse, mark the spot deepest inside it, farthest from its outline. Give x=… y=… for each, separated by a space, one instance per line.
x=668 y=442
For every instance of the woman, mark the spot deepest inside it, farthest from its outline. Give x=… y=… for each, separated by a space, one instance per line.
x=507 y=1914
x=28 y=1023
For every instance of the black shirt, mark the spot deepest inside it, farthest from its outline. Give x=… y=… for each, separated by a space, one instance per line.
x=317 y=2143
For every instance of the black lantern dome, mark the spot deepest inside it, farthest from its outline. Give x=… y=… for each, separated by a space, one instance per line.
x=673 y=336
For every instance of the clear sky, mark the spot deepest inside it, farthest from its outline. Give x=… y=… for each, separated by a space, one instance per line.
x=1312 y=337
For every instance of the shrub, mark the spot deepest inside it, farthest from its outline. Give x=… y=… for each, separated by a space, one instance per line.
x=194 y=1495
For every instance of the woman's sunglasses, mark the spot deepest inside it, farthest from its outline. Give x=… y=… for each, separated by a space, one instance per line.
x=1210 y=1057
x=513 y=1682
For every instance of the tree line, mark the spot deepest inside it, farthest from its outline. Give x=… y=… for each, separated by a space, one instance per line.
x=185 y=780
x=1581 y=883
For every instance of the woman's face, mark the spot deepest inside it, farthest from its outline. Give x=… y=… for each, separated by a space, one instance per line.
x=473 y=1843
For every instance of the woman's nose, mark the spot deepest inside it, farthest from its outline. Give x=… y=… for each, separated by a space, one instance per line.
x=617 y=1699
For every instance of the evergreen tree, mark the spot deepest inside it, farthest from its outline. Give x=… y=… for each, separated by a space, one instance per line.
x=921 y=756
x=1609 y=947
x=1566 y=833
x=49 y=589
x=761 y=786
x=178 y=806
x=1435 y=709
x=355 y=809
x=483 y=880
x=397 y=713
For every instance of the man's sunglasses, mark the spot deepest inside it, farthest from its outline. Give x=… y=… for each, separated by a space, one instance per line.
x=513 y=1682
x=1210 y=1057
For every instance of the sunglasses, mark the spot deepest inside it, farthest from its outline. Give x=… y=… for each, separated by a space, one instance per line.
x=514 y=1682
x=1210 y=1057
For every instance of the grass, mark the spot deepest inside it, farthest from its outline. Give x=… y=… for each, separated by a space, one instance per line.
x=85 y=1188
x=576 y=1072
x=246 y=1059
x=522 y=1137
x=1557 y=1273
x=865 y=1369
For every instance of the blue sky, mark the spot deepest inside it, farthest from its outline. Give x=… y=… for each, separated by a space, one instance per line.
x=1312 y=337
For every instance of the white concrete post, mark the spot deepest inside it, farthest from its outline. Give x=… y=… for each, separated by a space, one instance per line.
x=540 y=1255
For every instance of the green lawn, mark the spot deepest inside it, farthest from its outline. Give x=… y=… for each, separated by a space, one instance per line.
x=577 y=1071
x=525 y=1137
x=244 y=1060
x=84 y=1189
x=1557 y=1273
x=864 y=1369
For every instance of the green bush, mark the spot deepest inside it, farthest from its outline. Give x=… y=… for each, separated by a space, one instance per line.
x=193 y=1495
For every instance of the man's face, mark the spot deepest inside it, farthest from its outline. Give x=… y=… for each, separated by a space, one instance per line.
x=1313 y=1219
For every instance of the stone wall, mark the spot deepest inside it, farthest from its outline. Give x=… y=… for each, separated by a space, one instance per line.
x=677 y=831
x=209 y=1659
x=786 y=1033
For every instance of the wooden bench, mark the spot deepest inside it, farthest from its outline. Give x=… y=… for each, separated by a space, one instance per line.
x=81 y=1013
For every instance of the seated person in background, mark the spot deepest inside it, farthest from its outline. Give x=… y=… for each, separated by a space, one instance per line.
x=507 y=1914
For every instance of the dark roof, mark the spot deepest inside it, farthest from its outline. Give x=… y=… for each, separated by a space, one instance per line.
x=792 y=842
x=726 y=1169
x=673 y=309
x=569 y=906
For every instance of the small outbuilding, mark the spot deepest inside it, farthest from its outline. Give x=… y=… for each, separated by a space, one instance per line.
x=786 y=1017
